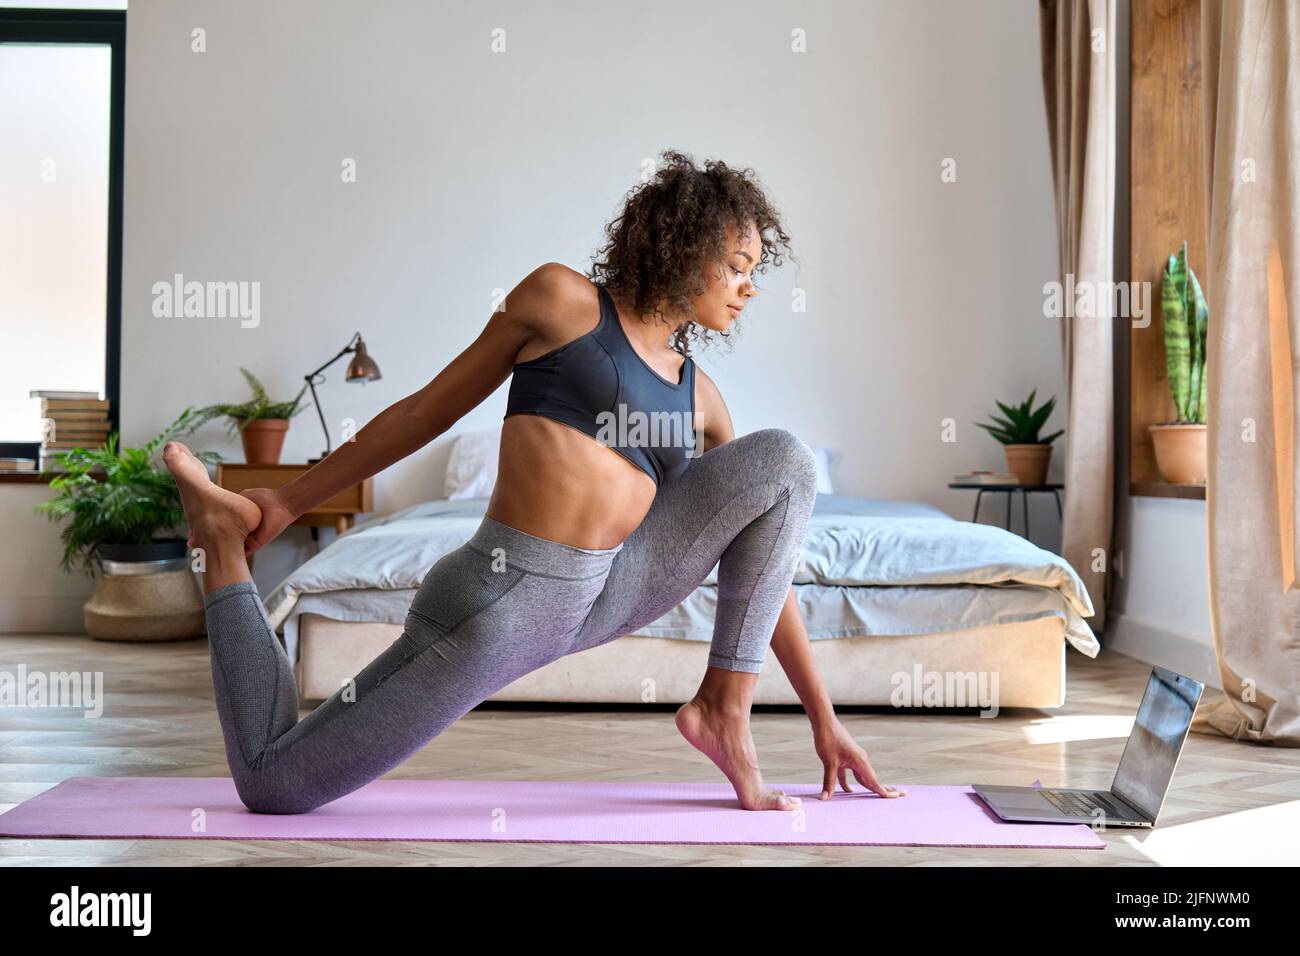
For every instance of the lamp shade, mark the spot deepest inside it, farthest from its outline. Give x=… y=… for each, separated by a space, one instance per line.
x=362 y=368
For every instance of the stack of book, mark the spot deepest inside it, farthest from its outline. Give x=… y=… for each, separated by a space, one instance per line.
x=71 y=420
x=987 y=478
x=11 y=463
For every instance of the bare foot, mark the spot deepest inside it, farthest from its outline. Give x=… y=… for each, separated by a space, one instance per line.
x=216 y=515
x=726 y=740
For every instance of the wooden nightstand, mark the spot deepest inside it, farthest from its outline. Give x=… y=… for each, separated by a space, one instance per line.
x=339 y=512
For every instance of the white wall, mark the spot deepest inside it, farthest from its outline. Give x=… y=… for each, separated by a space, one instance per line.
x=924 y=298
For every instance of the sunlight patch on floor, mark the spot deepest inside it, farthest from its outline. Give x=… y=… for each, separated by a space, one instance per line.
x=1267 y=836
x=1052 y=730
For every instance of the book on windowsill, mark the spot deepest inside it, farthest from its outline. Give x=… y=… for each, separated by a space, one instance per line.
x=85 y=417
x=9 y=465
x=79 y=430
x=72 y=419
x=88 y=444
x=51 y=407
x=61 y=393
x=987 y=478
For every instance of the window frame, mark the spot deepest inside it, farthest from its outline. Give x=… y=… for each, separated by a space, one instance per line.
x=63 y=26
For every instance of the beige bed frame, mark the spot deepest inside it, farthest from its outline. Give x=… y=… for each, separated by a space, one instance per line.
x=1027 y=658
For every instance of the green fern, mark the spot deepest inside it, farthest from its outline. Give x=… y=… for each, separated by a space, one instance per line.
x=259 y=406
x=136 y=499
x=259 y=393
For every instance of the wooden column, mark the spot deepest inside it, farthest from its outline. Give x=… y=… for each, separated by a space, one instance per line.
x=1167 y=205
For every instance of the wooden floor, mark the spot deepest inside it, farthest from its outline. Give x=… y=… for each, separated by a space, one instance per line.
x=1231 y=803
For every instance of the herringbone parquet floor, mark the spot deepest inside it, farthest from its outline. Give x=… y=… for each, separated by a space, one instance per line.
x=1231 y=802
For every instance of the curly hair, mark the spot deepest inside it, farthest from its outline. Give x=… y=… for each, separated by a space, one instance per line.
x=673 y=225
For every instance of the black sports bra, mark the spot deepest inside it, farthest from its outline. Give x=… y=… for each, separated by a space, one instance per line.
x=599 y=385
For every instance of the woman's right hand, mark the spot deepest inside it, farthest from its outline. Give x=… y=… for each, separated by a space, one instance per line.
x=276 y=516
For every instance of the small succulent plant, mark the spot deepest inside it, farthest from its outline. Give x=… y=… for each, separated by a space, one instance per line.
x=1022 y=424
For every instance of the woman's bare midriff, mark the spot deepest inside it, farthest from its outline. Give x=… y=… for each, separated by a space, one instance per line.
x=561 y=484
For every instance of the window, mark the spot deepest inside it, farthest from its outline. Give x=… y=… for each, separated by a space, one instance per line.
x=61 y=91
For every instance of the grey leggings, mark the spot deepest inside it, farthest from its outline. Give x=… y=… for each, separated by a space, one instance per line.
x=507 y=603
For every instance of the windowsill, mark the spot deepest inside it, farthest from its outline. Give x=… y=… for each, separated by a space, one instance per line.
x=1165 y=489
x=34 y=477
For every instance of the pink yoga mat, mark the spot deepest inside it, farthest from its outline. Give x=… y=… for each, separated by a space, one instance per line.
x=532 y=811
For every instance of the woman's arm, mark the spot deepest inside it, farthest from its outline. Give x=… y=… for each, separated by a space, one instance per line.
x=404 y=427
x=414 y=421
x=792 y=650
x=835 y=746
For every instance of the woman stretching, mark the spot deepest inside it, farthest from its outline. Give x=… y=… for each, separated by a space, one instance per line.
x=621 y=485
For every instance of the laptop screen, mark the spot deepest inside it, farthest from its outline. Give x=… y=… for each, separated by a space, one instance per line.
x=1163 y=719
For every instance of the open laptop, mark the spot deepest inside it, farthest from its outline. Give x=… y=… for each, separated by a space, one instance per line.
x=1142 y=780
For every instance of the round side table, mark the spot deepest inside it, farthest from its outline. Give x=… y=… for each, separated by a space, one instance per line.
x=1009 y=490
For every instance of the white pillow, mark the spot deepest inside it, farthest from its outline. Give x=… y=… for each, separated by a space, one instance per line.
x=472 y=466
x=824 y=458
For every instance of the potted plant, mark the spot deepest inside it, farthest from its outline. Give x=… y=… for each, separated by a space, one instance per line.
x=1180 y=443
x=1027 y=454
x=122 y=509
x=260 y=422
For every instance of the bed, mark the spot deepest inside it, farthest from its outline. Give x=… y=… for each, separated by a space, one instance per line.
x=904 y=605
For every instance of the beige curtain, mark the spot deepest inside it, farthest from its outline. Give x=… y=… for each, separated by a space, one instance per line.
x=1078 y=61
x=1251 y=68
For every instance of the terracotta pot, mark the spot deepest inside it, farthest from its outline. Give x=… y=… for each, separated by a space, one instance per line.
x=1180 y=453
x=1029 y=462
x=263 y=439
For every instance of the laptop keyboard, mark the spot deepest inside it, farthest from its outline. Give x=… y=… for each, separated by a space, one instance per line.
x=1082 y=805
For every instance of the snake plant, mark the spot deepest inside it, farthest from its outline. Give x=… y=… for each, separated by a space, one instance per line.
x=1186 y=319
x=1021 y=425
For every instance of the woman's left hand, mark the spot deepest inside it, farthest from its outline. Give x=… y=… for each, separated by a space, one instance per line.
x=840 y=753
